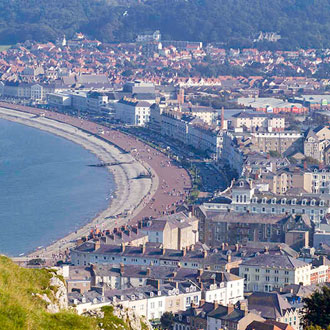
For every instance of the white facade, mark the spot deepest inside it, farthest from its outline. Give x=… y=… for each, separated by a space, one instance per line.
x=266 y=279
x=133 y=112
x=226 y=292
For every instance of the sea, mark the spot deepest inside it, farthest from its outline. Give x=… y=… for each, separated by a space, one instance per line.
x=47 y=189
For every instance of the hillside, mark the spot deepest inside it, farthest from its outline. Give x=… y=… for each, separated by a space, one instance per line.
x=301 y=23
x=26 y=296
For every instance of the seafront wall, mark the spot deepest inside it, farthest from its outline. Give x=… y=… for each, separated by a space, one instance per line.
x=130 y=193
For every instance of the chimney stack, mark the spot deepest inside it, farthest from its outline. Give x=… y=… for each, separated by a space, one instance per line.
x=121 y=269
x=236 y=247
x=222 y=118
x=148 y=271
x=163 y=251
x=143 y=248
x=97 y=245
x=230 y=308
x=184 y=252
x=305 y=165
x=200 y=272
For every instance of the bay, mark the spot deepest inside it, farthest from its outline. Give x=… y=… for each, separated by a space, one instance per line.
x=46 y=188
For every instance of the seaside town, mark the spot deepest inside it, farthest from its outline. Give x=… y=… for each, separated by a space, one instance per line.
x=221 y=215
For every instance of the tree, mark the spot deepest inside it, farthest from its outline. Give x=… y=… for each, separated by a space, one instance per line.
x=167 y=320
x=317 y=309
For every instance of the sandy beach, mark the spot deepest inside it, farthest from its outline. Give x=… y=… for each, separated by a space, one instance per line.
x=129 y=195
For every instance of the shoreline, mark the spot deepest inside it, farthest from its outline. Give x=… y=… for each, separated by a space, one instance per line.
x=126 y=189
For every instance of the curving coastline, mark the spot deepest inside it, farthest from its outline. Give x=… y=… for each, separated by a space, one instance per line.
x=155 y=196
x=127 y=189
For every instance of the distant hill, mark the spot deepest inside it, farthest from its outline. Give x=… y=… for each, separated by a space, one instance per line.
x=236 y=23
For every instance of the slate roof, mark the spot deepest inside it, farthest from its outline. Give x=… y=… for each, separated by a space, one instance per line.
x=269 y=305
x=274 y=261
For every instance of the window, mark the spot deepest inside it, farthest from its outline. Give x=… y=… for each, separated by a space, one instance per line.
x=152 y=305
x=160 y=303
x=267 y=278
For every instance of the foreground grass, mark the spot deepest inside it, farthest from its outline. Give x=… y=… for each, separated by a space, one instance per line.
x=20 y=309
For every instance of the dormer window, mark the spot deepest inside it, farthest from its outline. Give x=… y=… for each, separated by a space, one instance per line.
x=283 y=201
x=264 y=200
x=313 y=202
x=294 y=201
x=321 y=202
x=273 y=200
x=304 y=201
x=241 y=184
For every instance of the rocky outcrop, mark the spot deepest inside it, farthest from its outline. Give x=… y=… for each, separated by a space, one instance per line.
x=132 y=320
x=57 y=300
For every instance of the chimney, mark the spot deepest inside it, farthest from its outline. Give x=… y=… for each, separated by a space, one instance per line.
x=123 y=247
x=143 y=248
x=97 y=245
x=184 y=252
x=163 y=251
x=204 y=254
x=230 y=308
x=320 y=166
x=236 y=247
x=222 y=246
x=200 y=272
x=215 y=305
x=121 y=269
x=201 y=302
x=222 y=118
x=148 y=271
x=229 y=257
x=305 y=165
x=266 y=250
x=323 y=260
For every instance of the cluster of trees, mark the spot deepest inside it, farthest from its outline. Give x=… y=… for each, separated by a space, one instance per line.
x=301 y=23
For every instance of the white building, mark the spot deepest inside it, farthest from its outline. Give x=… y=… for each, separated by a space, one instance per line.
x=132 y=111
x=244 y=199
x=267 y=272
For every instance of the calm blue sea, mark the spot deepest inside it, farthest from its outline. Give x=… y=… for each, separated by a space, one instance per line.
x=46 y=188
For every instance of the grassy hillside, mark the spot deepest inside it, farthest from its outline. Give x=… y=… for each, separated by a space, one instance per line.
x=20 y=308
x=301 y=23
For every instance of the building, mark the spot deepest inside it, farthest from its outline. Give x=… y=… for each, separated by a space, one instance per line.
x=150 y=301
x=266 y=272
x=284 y=143
x=132 y=112
x=273 y=306
x=240 y=228
x=230 y=318
x=245 y=198
x=272 y=105
x=59 y=99
x=315 y=143
x=258 y=122
x=175 y=231
x=97 y=253
x=268 y=325
x=223 y=287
